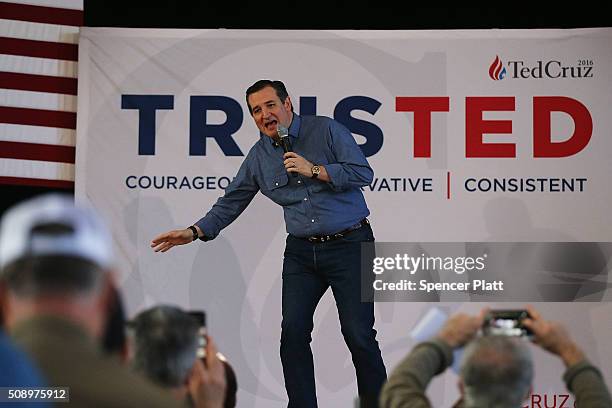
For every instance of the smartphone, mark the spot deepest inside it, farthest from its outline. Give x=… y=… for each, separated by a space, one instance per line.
x=506 y=323
x=200 y=317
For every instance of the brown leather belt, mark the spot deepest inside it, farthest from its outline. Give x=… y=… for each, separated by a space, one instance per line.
x=319 y=239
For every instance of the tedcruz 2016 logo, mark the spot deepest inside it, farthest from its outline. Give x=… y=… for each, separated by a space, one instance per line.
x=552 y=69
x=497 y=70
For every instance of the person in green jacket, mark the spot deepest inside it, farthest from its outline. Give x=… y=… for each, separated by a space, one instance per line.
x=496 y=371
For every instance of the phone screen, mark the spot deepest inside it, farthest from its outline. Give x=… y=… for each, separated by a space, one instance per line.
x=505 y=323
x=200 y=317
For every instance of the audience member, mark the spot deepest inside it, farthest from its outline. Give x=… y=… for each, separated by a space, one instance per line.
x=164 y=342
x=17 y=370
x=55 y=286
x=496 y=371
x=114 y=341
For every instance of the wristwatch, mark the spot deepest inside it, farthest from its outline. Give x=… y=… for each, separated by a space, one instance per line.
x=195 y=233
x=316 y=170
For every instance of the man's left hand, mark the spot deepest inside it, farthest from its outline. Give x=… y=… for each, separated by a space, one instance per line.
x=294 y=163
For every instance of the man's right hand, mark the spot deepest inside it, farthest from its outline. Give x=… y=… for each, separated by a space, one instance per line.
x=207 y=383
x=164 y=242
x=553 y=337
x=461 y=328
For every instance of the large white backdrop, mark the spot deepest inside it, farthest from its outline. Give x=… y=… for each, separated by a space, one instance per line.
x=126 y=76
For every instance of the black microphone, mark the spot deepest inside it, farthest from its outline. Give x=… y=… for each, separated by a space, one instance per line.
x=285 y=142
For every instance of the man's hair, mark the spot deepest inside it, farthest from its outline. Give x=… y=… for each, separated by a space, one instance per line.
x=278 y=86
x=497 y=372
x=52 y=275
x=165 y=344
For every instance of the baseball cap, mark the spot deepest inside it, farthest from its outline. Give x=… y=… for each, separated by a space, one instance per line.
x=83 y=234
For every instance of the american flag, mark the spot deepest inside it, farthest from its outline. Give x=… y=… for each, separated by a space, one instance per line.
x=38 y=88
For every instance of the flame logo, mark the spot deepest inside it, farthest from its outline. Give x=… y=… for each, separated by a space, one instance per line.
x=497 y=70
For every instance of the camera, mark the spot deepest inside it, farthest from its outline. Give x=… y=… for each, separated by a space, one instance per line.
x=200 y=317
x=506 y=323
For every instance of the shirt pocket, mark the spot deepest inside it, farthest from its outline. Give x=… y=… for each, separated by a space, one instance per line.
x=277 y=181
x=275 y=191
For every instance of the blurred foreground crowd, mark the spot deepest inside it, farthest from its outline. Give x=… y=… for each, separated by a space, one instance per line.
x=63 y=325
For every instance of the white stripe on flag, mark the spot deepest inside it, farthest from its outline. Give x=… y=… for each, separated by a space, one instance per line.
x=39 y=31
x=38 y=100
x=38 y=66
x=37 y=134
x=36 y=169
x=68 y=4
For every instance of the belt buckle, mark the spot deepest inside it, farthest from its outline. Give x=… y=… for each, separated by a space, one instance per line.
x=320 y=239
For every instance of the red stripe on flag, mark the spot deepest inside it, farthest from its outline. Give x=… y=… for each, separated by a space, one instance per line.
x=36 y=151
x=41 y=14
x=22 y=181
x=38 y=83
x=39 y=49
x=38 y=117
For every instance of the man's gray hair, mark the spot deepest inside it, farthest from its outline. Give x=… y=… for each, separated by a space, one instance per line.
x=165 y=344
x=59 y=276
x=497 y=372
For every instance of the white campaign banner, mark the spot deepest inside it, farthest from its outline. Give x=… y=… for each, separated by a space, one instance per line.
x=492 y=135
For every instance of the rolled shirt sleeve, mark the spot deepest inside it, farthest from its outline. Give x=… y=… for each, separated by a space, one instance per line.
x=351 y=168
x=238 y=194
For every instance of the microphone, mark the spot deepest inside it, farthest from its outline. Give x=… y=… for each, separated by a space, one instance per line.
x=285 y=142
x=283 y=135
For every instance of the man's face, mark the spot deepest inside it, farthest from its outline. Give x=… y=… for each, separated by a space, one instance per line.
x=268 y=111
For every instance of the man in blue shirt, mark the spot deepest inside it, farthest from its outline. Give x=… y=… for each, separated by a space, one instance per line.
x=318 y=186
x=17 y=371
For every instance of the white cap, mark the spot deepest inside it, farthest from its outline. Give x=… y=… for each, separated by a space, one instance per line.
x=86 y=236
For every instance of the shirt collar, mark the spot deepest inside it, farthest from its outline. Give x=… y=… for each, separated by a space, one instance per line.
x=294 y=128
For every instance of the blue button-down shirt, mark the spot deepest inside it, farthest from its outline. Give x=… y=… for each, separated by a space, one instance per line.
x=311 y=207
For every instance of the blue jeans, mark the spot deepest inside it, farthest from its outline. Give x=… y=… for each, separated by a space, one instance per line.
x=308 y=270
